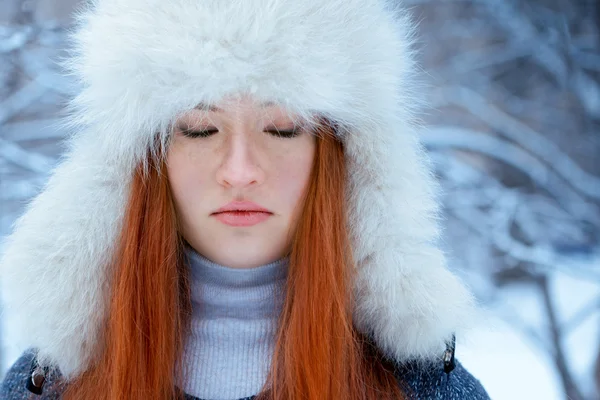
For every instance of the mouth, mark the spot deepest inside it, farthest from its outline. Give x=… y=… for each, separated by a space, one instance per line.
x=242 y=213
x=242 y=217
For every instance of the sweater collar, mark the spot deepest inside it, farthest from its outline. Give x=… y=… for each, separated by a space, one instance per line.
x=218 y=290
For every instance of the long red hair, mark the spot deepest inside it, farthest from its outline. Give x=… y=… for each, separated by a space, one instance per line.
x=318 y=352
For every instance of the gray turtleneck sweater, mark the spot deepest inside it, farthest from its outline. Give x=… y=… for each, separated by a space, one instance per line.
x=234 y=322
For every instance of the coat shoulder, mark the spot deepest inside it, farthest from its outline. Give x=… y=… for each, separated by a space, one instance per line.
x=419 y=381
x=429 y=381
x=13 y=385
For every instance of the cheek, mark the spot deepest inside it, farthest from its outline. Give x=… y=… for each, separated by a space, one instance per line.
x=185 y=179
x=294 y=175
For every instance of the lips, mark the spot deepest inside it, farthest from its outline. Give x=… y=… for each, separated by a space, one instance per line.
x=242 y=206
x=242 y=218
x=242 y=213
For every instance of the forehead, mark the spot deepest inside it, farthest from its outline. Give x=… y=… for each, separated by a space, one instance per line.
x=246 y=106
x=243 y=106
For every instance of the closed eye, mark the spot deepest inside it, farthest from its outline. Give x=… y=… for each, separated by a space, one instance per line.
x=195 y=133
x=284 y=133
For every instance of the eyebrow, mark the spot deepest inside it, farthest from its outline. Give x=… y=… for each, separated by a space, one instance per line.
x=210 y=107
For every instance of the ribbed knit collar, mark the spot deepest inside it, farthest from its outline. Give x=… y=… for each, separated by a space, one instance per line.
x=218 y=290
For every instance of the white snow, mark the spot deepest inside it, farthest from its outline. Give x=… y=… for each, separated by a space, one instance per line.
x=508 y=365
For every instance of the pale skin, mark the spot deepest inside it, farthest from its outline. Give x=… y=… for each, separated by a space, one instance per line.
x=239 y=149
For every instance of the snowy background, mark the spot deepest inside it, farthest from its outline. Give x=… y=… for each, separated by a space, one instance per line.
x=515 y=86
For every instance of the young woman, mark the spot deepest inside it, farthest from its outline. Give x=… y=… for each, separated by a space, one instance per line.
x=244 y=211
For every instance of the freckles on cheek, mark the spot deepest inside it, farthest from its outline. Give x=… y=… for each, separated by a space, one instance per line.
x=293 y=181
x=185 y=177
x=193 y=181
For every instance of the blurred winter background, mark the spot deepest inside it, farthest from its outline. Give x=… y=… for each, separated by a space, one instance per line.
x=514 y=134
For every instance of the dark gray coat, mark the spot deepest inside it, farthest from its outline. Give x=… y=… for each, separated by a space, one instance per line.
x=420 y=383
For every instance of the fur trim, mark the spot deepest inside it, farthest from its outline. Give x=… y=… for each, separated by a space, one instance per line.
x=141 y=62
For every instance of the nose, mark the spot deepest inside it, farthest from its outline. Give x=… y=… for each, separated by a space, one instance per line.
x=240 y=166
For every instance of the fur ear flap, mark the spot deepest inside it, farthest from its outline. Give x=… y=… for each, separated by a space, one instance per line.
x=407 y=299
x=54 y=281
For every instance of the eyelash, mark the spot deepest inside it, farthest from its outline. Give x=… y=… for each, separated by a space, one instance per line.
x=209 y=132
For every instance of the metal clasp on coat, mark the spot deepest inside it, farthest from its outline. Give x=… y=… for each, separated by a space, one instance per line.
x=36 y=378
x=449 y=361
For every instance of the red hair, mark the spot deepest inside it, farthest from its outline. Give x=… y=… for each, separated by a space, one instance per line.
x=318 y=352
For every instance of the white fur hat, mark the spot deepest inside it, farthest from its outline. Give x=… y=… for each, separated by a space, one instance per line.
x=142 y=62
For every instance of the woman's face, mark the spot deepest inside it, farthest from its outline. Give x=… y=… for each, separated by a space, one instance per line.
x=244 y=152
